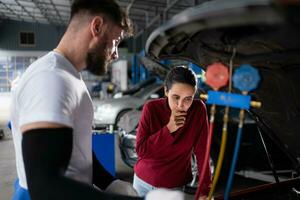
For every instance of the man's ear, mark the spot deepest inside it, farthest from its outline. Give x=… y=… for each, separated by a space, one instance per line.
x=98 y=26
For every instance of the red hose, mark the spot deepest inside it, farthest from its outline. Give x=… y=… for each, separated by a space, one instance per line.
x=206 y=159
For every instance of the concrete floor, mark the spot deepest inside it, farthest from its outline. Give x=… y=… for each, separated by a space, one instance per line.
x=7 y=167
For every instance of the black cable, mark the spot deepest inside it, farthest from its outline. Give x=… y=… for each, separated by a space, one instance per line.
x=271 y=163
x=269 y=157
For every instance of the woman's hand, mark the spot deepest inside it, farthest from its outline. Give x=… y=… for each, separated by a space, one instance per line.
x=177 y=120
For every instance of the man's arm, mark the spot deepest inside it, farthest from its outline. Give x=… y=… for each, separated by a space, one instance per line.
x=101 y=177
x=46 y=154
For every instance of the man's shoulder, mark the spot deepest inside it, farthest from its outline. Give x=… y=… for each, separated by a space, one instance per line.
x=41 y=65
x=43 y=59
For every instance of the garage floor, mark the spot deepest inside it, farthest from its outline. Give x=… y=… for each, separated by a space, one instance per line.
x=7 y=167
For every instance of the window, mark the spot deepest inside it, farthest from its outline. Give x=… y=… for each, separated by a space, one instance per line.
x=11 y=69
x=27 y=39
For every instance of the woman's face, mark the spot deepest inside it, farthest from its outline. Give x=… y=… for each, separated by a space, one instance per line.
x=180 y=96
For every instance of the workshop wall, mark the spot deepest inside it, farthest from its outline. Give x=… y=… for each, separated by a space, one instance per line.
x=45 y=37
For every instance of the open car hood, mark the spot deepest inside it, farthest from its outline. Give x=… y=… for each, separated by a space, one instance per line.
x=265 y=34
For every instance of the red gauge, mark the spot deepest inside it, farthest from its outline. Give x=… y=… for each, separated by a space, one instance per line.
x=217 y=75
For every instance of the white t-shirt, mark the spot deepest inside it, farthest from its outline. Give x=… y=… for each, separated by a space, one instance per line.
x=52 y=90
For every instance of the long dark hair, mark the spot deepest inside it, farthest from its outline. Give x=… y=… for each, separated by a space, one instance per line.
x=180 y=74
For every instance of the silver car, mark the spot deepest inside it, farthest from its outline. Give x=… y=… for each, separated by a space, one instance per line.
x=5 y=101
x=108 y=112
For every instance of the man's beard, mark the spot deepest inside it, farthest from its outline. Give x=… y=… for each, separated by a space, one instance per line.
x=96 y=59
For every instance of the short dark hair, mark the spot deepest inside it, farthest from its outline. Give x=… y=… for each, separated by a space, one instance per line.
x=180 y=74
x=109 y=8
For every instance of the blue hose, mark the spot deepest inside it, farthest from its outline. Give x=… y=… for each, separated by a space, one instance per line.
x=233 y=163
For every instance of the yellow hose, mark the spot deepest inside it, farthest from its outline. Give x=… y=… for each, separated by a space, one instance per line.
x=221 y=154
x=224 y=133
x=219 y=164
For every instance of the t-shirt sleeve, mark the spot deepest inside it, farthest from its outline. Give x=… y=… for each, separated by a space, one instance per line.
x=47 y=97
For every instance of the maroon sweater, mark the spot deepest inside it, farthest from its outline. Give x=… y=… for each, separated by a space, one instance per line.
x=164 y=158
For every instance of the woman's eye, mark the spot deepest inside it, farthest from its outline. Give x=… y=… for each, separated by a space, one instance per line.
x=187 y=99
x=176 y=98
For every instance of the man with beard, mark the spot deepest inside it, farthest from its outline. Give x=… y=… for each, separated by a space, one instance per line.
x=52 y=111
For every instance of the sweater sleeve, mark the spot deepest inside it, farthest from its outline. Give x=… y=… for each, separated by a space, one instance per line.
x=152 y=145
x=200 y=150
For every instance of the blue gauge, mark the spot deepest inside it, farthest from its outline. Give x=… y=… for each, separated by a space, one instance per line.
x=246 y=78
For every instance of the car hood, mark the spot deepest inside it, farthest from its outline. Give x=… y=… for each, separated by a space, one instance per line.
x=107 y=111
x=5 y=102
x=265 y=34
